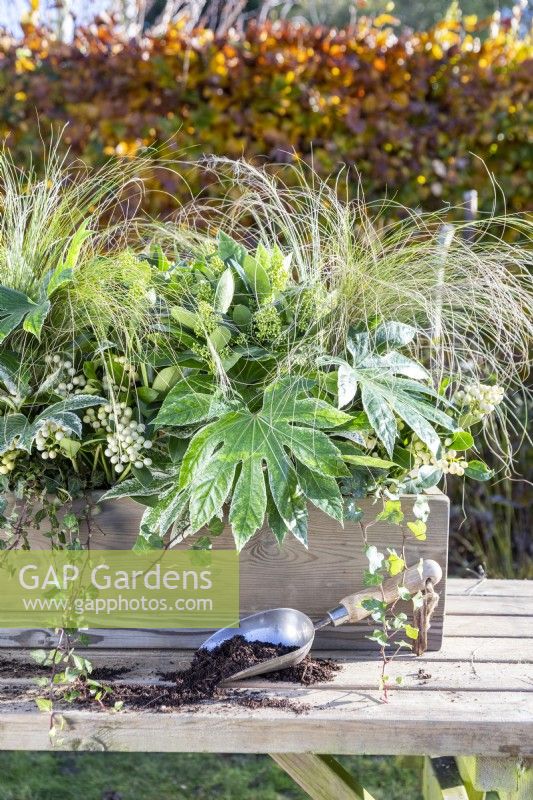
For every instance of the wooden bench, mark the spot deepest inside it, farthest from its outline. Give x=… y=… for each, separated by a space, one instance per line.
x=468 y=708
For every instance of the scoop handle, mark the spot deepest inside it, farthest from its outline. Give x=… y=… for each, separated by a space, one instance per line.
x=413 y=579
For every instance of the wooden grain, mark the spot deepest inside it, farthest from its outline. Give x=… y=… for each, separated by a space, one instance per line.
x=312 y=580
x=418 y=675
x=321 y=776
x=474 y=697
x=339 y=722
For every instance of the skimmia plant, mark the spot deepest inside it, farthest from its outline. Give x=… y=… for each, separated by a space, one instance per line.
x=212 y=379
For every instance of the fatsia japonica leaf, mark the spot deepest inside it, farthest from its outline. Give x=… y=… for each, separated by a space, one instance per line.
x=189 y=402
x=279 y=453
x=391 y=386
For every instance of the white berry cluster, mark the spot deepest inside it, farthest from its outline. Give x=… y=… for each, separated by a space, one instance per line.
x=480 y=398
x=125 y=439
x=450 y=462
x=49 y=438
x=68 y=381
x=7 y=461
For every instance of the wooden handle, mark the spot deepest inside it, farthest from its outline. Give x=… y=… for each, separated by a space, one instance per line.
x=414 y=578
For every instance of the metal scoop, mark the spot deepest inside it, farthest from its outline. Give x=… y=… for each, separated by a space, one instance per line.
x=292 y=628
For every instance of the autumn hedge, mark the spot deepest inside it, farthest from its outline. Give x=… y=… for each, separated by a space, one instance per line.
x=422 y=116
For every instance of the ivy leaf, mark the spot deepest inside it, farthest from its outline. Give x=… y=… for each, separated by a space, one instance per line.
x=392 y=512
x=478 y=471
x=421 y=507
x=411 y=632
x=375 y=559
x=395 y=563
x=403 y=593
x=379 y=636
x=462 y=440
x=418 y=528
x=44 y=704
x=352 y=512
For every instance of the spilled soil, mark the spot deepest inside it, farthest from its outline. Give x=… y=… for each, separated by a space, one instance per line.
x=201 y=681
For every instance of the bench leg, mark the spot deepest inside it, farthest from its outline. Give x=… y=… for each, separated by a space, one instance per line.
x=442 y=781
x=322 y=777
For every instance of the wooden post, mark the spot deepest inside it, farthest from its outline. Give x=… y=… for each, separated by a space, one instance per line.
x=442 y=781
x=322 y=777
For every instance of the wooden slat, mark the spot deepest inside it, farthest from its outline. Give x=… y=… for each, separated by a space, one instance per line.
x=466 y=625
x=418 y=674
x=321 y=776
x=489 y=588
x=339 y=722
x=486 y=605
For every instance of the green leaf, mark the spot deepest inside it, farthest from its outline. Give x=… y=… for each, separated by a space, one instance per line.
x=44 y=704
x=257 y=277
x=185 y=404
x=184 y=317
x=323 y=491
x=146 y=394
x=380 y=637
x=352 y=512
x=9 y=374
x=242 y=316
x=478 y=471
x=15 y=307
x=392 y=512
x=411 y=632
x=74 y=249
x=70 y=447
x=39 y=656
x=397 y=364
x=373 y=462
x=380 y=417
x=166 y=379
x=418 y=528
x=395 y=563
x=157 y=519
x=229 y=248
x=404 y=593
x=462 y=440
x=346 y=385
x=394 y=334
x=34 y=319
x=252 y=441
x=224 y=291
x=13 y=429
x=250 y=502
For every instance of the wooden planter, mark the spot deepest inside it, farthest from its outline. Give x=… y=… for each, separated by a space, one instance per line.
x=312 y=580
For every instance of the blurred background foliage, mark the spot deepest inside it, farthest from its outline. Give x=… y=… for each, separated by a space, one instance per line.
x=425 y=102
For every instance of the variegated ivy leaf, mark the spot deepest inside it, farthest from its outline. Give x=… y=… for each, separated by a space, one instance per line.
x=375 y=558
